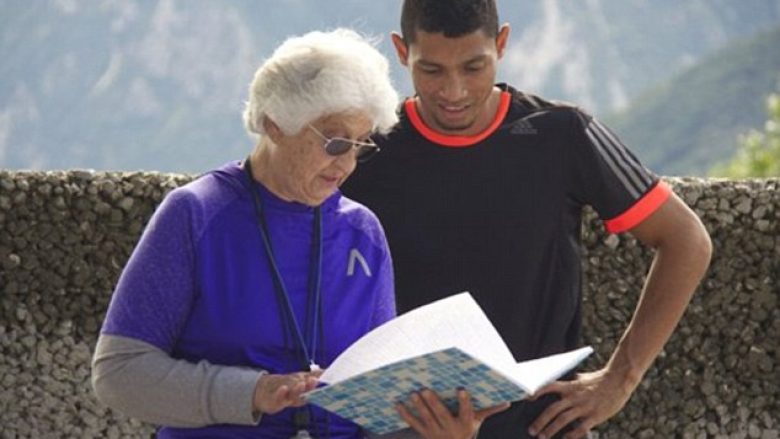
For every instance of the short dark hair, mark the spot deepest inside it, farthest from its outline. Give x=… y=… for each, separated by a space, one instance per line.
x=453 y=18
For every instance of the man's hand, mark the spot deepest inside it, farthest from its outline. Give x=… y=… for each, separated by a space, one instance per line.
x=683 y=251
x=585 y=402
x=276 y=392
x=434 y=420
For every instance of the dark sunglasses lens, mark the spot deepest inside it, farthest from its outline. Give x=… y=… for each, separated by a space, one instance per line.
x=365 y=153
x=338 y=146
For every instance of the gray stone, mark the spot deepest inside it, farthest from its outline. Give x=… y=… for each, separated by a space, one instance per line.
x=5 y=202
x=612 y=241
x=82 y=174
x=7 y=184
x=62 y=248
x=12 y=261
x=126 y=204
x=759 y=212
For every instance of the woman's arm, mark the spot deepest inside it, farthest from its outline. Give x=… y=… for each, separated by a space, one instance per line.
x=144 y=382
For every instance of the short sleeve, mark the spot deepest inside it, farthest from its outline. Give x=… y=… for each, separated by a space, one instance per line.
x=607 y=176
x=154 y=294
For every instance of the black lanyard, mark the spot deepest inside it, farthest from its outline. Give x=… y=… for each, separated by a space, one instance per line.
x=307 y=352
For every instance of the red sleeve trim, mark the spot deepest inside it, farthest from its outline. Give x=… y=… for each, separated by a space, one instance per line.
x=642 y=209
x=457 y=141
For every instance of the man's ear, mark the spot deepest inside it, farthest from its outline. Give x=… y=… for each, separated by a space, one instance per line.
x=501 y=39
x=401 y=49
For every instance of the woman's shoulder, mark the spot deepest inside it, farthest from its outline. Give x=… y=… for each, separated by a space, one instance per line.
x=354 y=209
x=360 y=218
x=202 y=198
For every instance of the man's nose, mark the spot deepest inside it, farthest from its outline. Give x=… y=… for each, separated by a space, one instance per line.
x=453 y=89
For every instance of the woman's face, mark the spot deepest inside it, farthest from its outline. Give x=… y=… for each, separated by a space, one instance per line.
x=303 y=171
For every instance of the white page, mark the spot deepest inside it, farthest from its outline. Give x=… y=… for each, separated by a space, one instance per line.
x=455 y=321
x=534 y=374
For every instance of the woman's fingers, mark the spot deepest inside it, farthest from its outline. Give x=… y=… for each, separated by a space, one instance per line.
x=276 y=392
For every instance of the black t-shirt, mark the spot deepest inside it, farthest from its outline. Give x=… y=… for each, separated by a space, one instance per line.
x=498 y=214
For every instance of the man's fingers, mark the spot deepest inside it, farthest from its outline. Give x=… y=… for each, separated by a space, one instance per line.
x=439 y=411
x=424 y=411
x=407 y=416
x=560 y=422
x=465 y=408
x=581 y=431
x=559 y=387
x=551 y=412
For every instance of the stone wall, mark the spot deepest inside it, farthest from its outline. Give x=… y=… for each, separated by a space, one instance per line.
x=64 y=237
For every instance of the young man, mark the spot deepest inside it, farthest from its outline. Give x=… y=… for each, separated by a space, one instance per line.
x=480 y=188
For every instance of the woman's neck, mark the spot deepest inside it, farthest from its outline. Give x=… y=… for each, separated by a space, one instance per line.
x=263 y=171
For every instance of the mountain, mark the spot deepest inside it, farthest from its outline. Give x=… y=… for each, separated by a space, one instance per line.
x=602 y=53
x=693 y=121
x=138 y=84
x=160 y=85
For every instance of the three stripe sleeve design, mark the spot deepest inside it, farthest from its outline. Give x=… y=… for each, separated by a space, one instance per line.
x=635 y=178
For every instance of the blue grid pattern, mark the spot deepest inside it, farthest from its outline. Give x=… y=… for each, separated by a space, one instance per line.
x=369 y=399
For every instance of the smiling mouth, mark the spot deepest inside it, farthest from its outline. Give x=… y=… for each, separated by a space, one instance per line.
x=453 y=109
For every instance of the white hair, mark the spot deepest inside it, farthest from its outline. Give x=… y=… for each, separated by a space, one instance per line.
x=321 y=73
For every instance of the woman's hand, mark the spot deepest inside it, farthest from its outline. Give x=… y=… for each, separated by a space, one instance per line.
x=274 y=393
x=434 y=420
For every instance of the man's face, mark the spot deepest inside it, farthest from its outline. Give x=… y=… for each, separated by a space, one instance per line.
x=454 y=78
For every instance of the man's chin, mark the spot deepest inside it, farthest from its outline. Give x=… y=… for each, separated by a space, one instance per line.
x=454 y=128
x=453 y=122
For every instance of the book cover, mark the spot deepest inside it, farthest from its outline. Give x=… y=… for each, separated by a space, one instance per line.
x=443 y=346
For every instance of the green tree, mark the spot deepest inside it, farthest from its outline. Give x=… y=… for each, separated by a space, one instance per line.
x=759 y=152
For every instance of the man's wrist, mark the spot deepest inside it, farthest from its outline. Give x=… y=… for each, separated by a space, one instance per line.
x=624 y=375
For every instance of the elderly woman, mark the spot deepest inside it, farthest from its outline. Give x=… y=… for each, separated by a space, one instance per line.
x=250 y=278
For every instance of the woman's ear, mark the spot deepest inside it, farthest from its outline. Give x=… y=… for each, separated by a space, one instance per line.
x=271 y=128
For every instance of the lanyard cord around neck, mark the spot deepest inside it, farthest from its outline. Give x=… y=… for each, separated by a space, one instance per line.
x=306 y=354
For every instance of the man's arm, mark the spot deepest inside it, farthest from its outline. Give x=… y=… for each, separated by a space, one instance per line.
x=683 y=251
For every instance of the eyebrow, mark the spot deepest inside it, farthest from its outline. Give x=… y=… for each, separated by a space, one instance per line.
x=329 y=133
x=477 y=58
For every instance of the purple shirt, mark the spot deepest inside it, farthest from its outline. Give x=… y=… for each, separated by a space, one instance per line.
x=198 y=285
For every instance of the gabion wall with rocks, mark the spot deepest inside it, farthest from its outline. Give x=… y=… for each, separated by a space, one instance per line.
x=65 y=236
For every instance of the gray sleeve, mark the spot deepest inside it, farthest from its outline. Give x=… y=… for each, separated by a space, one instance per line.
x=142 y=381
x=400 y=434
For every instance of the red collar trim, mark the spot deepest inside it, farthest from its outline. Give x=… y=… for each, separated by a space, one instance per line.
x=457 y=141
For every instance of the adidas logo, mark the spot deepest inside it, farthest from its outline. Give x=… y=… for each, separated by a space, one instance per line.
x=523 y=127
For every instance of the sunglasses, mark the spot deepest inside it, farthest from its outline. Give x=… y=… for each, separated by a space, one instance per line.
x=336 y=146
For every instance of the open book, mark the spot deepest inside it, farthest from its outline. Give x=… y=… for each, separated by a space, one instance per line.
x=444 y=346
